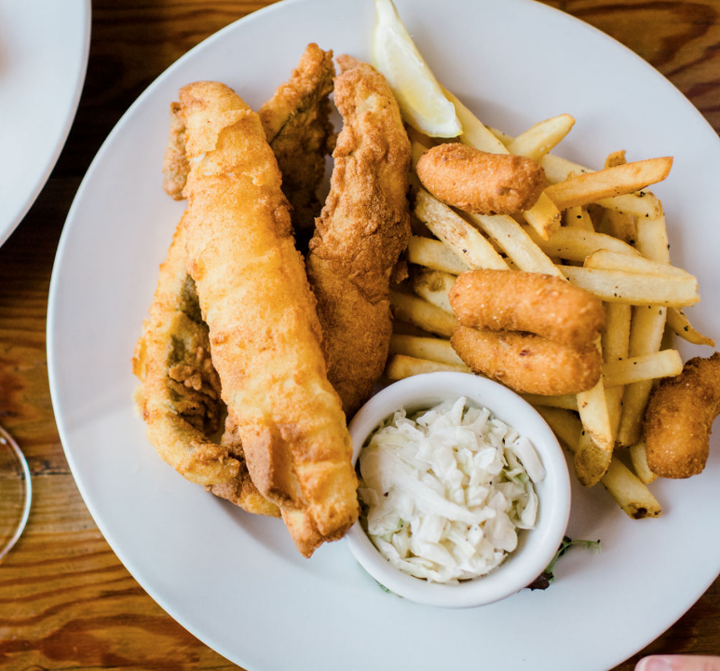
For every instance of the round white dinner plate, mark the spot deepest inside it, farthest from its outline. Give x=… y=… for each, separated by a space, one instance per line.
x=43 y=58
x=235 y=580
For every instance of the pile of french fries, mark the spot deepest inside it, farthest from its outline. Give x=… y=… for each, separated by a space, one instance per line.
x=600 y=230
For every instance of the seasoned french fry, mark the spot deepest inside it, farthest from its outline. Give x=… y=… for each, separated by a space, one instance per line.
x=608 y=183
x=590 y=466
x=538 y=140
x=544 y=216
x=422 y=314
x=591 y=462
x=615 y=158
x=679 y=324
x=435 y=254
x=578 y=217
x=638 y=457
x=475 y=133
x=619 y=225
x=567 y=401
x=576 y=244
x=616 y=286
x=400 y=366
x=648 y=327
x=465 y=240
x=608 y=259
x=643 y=204
x=516 y=243
x=665 y=363
x=615 y=344
x=621 y=483
x=433 y=286
x=432 y=349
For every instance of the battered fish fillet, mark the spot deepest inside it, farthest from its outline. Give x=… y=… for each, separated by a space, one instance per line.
x=363 y=229
x=297 y=125
x=679 y=417
x=179 y=397
x=264 y=333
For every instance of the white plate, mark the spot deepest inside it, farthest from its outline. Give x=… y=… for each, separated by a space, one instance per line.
x=234 y=580
x=43 y=57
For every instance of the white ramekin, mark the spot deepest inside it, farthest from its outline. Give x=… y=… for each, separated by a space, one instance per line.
x=536 y=547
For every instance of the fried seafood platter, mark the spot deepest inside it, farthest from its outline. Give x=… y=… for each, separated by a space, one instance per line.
x=443 y=244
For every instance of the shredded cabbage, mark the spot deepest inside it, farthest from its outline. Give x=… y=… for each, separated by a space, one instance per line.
x=445 y=491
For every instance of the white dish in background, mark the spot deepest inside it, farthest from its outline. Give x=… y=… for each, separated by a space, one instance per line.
x=235 y=580
x=536 y=546
x=43 y=57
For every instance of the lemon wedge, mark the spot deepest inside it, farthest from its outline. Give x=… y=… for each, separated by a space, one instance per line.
x=420 y=96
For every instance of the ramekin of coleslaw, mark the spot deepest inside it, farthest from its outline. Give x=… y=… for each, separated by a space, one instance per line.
x=464 y=490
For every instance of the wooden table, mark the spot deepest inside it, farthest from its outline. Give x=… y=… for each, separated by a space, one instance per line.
x=66 y=602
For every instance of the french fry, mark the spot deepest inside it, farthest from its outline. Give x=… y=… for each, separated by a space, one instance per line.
x=638 y=457
x=648 y=327
x=597 y=437
x=544 y=216
x=608 y=259
x=615 y=345
x=465 y=240
x=619 y=225
x=591 y=462
x=422 y=314
x=538 y=140
x=608 y=183
x=400 y=366
x=435 y=254
x=616 y=286
x=679 y=324
x=578 y=217
x=516 y=243
x=643 y=204
x=566 y=401
x=576 y=244
x=615 y=158
x=433 y=286
x=621 y=483
x=431 y=349
x=665 y=363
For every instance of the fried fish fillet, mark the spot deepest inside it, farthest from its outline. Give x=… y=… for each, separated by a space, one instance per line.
x=179 y=397
x=296 y=120
x=297 y=125
x=265 y=336
x=363 y=229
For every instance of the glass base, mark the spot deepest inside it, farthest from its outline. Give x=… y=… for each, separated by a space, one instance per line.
x=15 y=492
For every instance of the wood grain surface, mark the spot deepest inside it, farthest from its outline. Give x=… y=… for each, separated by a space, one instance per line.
x=66 y=602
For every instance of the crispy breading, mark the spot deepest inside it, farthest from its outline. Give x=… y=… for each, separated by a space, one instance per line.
x=297 y=124
x=679 y=418
x=363 y=229
x=505 y=300
x=264 y=333
x=179 y=394
x=478 y=182
x=528 y=363
x=175 y=163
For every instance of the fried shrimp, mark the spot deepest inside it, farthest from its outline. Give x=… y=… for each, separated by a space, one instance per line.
x=679 y=419
x=479 y=182
x=503 y=300
x=264 y=332
x=528 y=363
